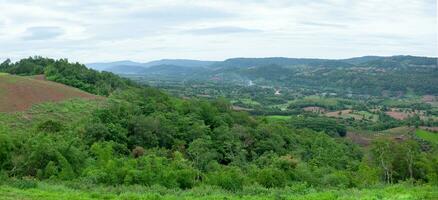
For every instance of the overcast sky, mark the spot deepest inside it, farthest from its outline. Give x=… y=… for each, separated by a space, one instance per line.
x=106 y=30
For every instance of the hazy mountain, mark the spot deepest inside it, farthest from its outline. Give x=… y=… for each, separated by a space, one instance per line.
x=129 y=67
x=273 y=68
x=106 y=65
x=180 y=62
x=125 y=69
x=173 y=71
x=362 y=59
x=254 y=62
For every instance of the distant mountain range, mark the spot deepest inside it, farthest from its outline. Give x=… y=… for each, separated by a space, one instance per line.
x=130 y=67
x=365 y=75
x=170 y=65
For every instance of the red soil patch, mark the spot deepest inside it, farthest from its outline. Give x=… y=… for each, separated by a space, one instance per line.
x=314 y=109
x=39 y=77
x=430 y=128
x=338 y=113
x=429 y=98
x=359 y=139
x=20 y=93
x=397 y=115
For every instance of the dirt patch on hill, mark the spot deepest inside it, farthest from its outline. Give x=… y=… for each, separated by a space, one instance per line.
x=19 y=93
x=359 y=139
x=345 y=114
x=397 y=115
x=40 y=77
x=314 y=109
x=429 y=98
x=430 y=128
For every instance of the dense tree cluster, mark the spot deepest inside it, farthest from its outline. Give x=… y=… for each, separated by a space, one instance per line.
x=142 y=136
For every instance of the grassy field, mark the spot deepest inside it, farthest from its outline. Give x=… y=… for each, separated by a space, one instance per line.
x=428 y=136
x=72 y=110
x=278 y=117
x=47 y=191
x=314 y=100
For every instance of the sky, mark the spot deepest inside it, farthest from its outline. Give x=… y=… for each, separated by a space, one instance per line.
x=138 y=30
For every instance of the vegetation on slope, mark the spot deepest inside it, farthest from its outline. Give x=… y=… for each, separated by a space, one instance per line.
x=142 y=136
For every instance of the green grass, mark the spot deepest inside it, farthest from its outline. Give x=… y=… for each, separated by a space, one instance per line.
x=278 y=117
x=50 y=191
x=401 y=103
x=315 y=101
x=428 y=136
x=73 y=111
x=250 y=102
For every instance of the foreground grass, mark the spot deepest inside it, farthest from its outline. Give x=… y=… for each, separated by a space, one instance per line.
x=43 y=190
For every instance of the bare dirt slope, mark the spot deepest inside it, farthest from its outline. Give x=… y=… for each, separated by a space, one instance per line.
x=18 y=93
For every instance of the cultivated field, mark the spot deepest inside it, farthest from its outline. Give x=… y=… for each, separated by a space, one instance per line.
x=18 y=93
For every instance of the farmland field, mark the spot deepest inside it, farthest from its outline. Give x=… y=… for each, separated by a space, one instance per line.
x=20 y=93
x=428 y=136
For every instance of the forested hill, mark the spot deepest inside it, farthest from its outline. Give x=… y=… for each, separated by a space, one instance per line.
x=376 y=61
x=364 y=61
x=368 y=75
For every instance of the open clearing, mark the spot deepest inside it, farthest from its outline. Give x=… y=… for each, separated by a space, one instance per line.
x=428 y=136
x=18 y=93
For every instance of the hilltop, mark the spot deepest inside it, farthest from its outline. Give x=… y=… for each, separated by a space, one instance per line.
x=19 y=93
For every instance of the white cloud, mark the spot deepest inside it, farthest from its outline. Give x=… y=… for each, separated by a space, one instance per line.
x=141 y=30
x=42 y=33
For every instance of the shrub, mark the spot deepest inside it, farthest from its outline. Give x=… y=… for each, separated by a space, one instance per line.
x=24 y=183
x=50 y=126
x=229 y=178
x=271 y=177
x=337 y=179
x=6 y=147
x=138 y=152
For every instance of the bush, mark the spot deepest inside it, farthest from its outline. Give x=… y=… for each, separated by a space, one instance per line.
x=138 y=152
x=229 y=178
x=337 y=179
x=271 y=177
x=24 y=183
x=50 y=126
x=6 y=147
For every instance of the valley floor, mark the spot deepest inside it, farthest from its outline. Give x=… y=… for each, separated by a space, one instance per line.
x=49 y=191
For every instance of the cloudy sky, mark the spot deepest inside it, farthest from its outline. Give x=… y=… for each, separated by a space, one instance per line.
x=107 y=30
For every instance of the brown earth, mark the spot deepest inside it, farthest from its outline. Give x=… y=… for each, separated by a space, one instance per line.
x=40 y=77
x=430 y=128
x=359 y=139
x=336 y=113
x=429 y=98
x=18 y=93
x=397 y=134
x=397 y=115
x=314 y=109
